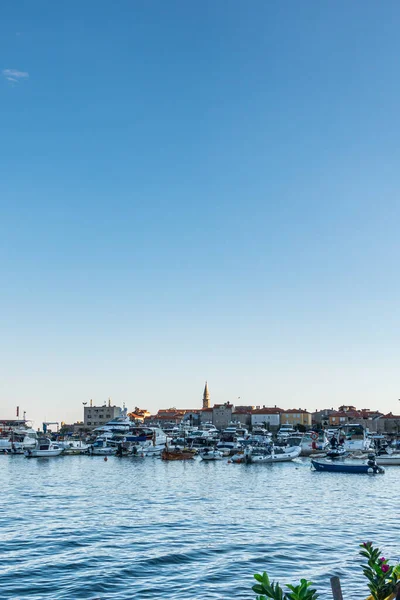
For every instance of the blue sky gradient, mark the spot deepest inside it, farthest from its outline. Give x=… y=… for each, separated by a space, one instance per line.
x=199 y=190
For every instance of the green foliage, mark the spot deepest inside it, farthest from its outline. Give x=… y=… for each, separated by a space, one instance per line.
x=267 y=589
x=382 y=578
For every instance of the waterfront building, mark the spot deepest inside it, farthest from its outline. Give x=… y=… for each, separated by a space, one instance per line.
x=139 y=414
x=369 y=419
x=95 y=416
x=267 y=416
x=296 y=416
x=242 y=415
x=222 y=415
x=206 y=415
x=389 y=423
x=320 y=418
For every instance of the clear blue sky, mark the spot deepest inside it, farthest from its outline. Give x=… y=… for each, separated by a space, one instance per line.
x=199 y=190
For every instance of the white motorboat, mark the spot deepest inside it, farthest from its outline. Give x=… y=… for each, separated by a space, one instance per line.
x=355 y=438
x=209 y=428
x=285 y=454
x=285 y=431
x=16 y=436
x=310 y=442
x=121 y=424
x=254 y=454
x=385 y=459
x=44 y=448
x=211 y=454
x=388 y=459
x=235 y=429
x=228 y=448
x=102 y=447
x=149 y=441
x=257 y=454
x=72 y=447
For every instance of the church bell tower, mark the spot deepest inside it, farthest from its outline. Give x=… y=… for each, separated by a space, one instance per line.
x=206 y=397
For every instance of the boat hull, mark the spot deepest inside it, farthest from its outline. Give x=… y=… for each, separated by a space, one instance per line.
x=214 y=455
x=388 y=460
x=102 y=451
x=167 y=455
x=43 y=453
x=343 y=467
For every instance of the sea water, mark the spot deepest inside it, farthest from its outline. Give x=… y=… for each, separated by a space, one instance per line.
x=80 y=527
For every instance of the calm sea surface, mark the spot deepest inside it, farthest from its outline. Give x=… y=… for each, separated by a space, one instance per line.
x=79 y=527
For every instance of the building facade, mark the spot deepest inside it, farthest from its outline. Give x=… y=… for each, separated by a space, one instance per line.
x=269 y=418
x=222 y=415
x=296 y=416
x=320 y=418
x=95 y=416
x=390 y=424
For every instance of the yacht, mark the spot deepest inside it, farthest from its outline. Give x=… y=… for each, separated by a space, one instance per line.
x=228 y=448
x=355 y=437
x=44 y=448
x=211 y=454
x=72 y=446
x=121 y=424
x=310 y=442
x=270 y=455
x=102 y=446
x=16 y=436
x=210 y=428
x=235 y=428
x=149 y=441
x=285 y=431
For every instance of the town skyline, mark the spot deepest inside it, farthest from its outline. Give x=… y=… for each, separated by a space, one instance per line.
x=19 y=410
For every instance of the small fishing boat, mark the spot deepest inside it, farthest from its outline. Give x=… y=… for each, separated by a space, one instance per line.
x=176 y=454
x=44 y=448
x=228 y=448
x=266 y=454
x=238 y=457
x=386 y=458
x=211 y=454
x=310 y=442
x=285 y=454
x=102 y=447
x=74 y=447
x=257 y=454
x=369 y=467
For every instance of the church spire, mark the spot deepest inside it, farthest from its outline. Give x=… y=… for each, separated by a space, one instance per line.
x=206 y=397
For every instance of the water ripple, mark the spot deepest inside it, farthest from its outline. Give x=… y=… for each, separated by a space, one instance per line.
x=81 y=528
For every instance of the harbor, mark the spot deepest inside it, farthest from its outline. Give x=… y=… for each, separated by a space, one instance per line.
x=133 y=509
x=344 y=440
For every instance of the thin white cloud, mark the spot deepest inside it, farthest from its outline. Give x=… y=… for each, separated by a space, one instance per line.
x=14 y=76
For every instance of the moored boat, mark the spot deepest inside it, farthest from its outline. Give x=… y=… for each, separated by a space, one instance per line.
x=369 y=467
x=16 y=436
x=177 y=454
x=74 y=447
x=211 y=454
x=44 y=448
x=384 y=459
x=102 y=447
x=266 y=454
